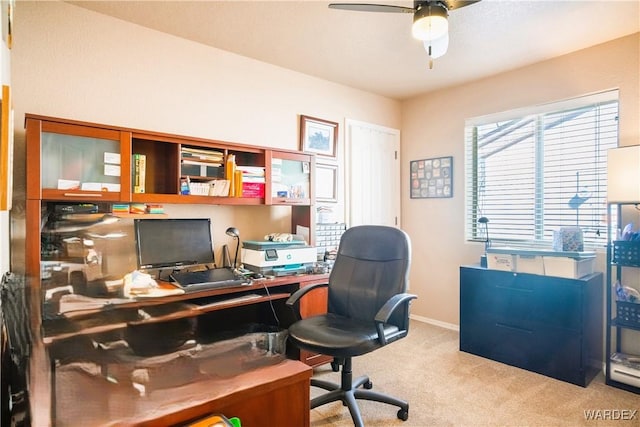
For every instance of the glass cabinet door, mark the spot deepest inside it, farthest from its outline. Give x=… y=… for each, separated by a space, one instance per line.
x=291 y=178
x=82 y=163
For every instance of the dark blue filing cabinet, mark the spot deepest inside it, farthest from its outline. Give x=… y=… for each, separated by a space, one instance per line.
x=549 y=325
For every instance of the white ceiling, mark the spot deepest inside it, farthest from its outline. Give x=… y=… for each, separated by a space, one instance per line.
x=375 y=51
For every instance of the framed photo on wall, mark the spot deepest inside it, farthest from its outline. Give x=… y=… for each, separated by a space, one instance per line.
x=318 y=136
x=6 y=8
x=432 y=178
x=326 y=182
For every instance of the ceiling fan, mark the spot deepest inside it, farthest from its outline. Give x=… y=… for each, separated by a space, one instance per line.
x=430 y=20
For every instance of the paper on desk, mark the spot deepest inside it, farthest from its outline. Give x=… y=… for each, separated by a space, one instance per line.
x=74 y=304
x=142 y=285
x=304 y=232
x=162 y=290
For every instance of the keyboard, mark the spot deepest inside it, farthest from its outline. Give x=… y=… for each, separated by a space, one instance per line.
x=215 y=278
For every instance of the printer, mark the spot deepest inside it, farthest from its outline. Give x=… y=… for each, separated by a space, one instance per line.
x=278 y=258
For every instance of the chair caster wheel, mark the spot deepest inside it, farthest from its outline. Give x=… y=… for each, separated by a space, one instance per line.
x=403 y=414
x=368 y=385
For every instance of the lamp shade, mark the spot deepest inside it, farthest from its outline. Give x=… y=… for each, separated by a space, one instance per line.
x=233 y=232
x=623 y=175
x=430 y=22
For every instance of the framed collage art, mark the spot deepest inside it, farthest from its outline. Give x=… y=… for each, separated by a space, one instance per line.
x=432 y=178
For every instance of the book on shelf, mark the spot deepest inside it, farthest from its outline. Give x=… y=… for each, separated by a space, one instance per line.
x=137 y=208
x=139 y=172
x=120 y=208
x=201 y=162
x=202 y=155
x=252 y=174
x=155 y=209
x=253 y=189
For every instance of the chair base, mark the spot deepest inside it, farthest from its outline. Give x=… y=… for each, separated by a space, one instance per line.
x=348 y=391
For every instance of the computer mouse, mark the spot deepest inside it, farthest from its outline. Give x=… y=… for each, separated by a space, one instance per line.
x=256 y=276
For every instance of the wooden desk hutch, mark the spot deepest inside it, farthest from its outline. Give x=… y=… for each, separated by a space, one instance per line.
x=61 y=151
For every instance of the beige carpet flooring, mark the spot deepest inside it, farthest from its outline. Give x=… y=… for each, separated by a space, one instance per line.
x=446 y=387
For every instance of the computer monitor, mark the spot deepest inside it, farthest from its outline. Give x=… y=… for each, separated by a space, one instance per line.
x=172 y=243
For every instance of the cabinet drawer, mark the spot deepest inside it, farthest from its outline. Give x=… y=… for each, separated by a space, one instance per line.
x=548 y=351
x=523 y=300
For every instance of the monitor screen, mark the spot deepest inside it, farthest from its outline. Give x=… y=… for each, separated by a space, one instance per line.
x=162 y=243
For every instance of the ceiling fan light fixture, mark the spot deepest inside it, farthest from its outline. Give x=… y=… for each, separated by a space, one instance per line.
x=430 y=22
x=438 y=47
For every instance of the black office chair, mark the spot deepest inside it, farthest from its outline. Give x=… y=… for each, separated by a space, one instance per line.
x=368 y=308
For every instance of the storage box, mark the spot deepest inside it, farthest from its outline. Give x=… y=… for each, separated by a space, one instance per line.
x=533 y=264
x=74 y=247
x=570 y=268
x=572 y=265
x=501 y=261
x=628 y=313
x=624 y=371
x=626 y=253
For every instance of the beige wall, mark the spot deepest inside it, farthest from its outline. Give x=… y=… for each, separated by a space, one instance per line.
x=433 y=126
x=78 y=64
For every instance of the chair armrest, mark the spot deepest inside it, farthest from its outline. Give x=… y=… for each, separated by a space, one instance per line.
x=387 y=310
x=294 y=299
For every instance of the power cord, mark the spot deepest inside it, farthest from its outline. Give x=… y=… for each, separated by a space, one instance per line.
x=273 y=310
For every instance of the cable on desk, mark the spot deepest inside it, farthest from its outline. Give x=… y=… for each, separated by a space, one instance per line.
x=273 y=310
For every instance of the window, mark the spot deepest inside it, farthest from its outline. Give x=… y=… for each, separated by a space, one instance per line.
x=532 y=171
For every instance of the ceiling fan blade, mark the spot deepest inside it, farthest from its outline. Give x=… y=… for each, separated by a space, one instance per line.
x=363 y=7
x=457 y=4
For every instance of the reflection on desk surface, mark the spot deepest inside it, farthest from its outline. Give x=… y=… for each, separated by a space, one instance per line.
x=121 y=385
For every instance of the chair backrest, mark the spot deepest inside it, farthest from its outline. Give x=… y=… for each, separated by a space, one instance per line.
x=372 y=265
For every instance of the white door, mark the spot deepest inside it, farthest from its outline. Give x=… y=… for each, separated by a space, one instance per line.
x=372 y=174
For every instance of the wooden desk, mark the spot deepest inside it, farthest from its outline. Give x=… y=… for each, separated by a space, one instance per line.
x=87 y=388
x=276 y=395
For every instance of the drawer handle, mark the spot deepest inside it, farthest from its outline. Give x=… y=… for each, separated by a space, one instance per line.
x=83 y=194
x=626 y=374
x=515 y=328
x=514 y=289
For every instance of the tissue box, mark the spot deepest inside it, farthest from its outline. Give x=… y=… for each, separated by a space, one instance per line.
x=568 y=239
x=533 y=264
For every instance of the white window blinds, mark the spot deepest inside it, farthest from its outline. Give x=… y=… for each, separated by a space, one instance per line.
x=534 y=170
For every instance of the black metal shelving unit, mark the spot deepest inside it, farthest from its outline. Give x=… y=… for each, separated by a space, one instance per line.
x=620 y=257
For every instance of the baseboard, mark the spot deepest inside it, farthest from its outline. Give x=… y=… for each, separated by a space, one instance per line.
x=434 y=322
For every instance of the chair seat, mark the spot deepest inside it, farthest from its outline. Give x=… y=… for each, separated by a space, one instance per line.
x=337 y=336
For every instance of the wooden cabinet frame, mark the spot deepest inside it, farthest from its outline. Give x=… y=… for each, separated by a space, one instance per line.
x=167 y=147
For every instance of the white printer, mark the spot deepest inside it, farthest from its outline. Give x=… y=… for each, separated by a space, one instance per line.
x=278 y=258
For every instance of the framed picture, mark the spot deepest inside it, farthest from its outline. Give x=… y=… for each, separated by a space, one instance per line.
x=432 y=178
x=6 y=8
x=326 y=182
x=318 y=136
